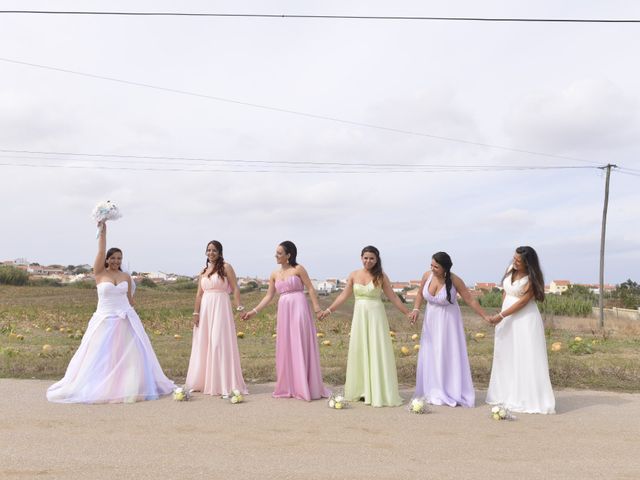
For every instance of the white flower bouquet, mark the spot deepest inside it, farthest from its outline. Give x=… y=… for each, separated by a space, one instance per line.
x=181 y=394
x=499 y=412
x=236 y=397
x=418 y=405
x=337 y=401
x=104 y=211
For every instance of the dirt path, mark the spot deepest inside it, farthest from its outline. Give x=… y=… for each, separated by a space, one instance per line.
x=594 y=434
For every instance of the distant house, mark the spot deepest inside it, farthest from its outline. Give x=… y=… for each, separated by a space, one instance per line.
x=400 y=287
x=485 y=286
x=559 y=286
x=410 y=295
x=328 y=286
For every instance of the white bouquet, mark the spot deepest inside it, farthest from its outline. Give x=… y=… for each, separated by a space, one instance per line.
x=104 y=211
x=498 y=412
x=236 y=396
x=337 y=401
x=181 y=394
x=418 y=405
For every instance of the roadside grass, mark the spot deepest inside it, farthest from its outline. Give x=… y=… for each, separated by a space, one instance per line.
x=34 y=316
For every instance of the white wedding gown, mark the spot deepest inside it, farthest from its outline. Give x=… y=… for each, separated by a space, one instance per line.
x=115 y=361
x=520 y=371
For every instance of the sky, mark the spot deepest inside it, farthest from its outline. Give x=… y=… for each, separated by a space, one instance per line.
x=438 y=89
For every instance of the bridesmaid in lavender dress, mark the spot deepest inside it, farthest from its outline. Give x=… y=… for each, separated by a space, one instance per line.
x=214 y=366
x=298 y=373
x=443 y=375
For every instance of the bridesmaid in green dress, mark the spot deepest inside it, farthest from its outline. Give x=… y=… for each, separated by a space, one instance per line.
x=371 y=364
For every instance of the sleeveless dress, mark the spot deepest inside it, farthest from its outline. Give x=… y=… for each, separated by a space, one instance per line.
x=115 y=361
x=298 y=373
x=520 y=372
x=214 y=366
x=371 y=363
x=443 y=375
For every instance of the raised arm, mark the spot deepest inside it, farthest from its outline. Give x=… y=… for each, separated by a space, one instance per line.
x=415 y=313
x=98 y=264
x=391 y=295
x=467 y=297
x=233 y=282
x=265 y=300
x=340 y=299
x=306 y=281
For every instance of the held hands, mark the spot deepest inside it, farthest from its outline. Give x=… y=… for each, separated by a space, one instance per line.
x=413 y=315
x=249 y=314
x=495 y=319
x=324 y=314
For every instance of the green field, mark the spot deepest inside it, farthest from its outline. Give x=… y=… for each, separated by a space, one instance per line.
x=31 y=317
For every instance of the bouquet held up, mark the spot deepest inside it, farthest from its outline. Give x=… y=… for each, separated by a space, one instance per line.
x=104 y=211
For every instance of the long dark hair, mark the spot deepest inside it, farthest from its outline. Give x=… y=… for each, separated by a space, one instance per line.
x=530 y=259
x=291 y=250
x=110 y=252
x=218 y=267
x=376 y=271
x=444 y=260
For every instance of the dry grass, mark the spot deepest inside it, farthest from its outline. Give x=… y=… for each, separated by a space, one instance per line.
x=30 y=311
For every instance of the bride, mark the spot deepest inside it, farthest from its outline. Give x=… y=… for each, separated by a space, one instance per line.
x=520 y=371
x=115 y=361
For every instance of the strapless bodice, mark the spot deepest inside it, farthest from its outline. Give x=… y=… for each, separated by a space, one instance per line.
x=366 y=292
x=289 y=284
x=215 y=284
x=113 y=298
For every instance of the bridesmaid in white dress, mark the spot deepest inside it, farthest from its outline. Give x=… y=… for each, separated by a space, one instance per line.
x=520 y=371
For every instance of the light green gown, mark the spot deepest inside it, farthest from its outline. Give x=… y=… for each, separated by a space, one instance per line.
x=371 y=364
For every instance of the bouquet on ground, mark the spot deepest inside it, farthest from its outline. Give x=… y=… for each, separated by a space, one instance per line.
x=104 y=211
x=236 y=396
x=181 y=394
x=418 y=405
x=337 y=401
x=499 y=412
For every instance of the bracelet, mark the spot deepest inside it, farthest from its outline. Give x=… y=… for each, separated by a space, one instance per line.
x=239 y=308
x=328 y=310
x=254 y=311
x=317 y=311
x=415 y=310
x=501 y=316
x=195 y=313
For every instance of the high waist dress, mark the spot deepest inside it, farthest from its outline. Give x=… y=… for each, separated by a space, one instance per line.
x=371 y=364
x=443 y=375
x=520 y=371
x=298 y=373
x=214 y=366
x=115 y=361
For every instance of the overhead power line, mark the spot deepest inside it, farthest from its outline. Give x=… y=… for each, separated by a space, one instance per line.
x=296 y=112
x=321 y=17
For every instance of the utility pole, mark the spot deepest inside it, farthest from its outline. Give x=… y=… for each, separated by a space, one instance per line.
x=608 y=168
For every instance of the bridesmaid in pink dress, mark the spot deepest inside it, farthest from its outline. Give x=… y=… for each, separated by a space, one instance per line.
x=214 y=366
x=298 y=373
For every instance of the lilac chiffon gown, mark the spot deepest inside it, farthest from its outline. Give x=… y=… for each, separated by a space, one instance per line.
x=297 y=356
x=443 y=375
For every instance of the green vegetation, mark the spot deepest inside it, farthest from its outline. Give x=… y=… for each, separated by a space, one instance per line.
x=34 y=316
x=626 y=295
x=13 y=276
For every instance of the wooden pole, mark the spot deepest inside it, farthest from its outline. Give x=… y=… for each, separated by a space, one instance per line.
x=602 y=239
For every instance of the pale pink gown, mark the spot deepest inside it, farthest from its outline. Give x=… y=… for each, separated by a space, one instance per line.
x=214 y=366
x=297 y=356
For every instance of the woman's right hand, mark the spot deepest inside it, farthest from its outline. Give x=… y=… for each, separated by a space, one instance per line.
x=196 y=319
x=413 y=316
x=248 y=315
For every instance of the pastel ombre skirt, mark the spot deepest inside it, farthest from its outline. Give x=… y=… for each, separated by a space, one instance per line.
x=214 y=366
x=371 y=363
x=297 y=356
x=115 y=361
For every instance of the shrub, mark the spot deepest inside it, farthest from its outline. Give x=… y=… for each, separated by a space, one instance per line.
x=13 y=276
x=147 y=282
